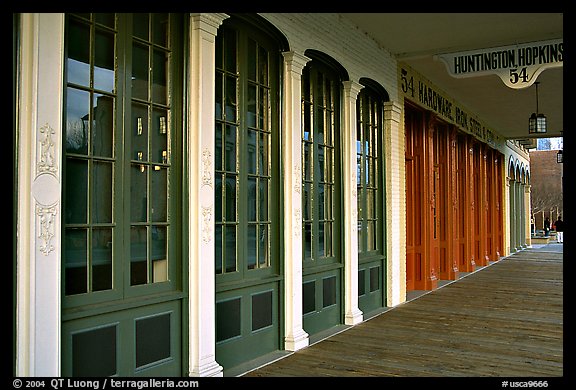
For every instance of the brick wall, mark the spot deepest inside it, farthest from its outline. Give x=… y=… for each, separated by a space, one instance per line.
x=545 y=185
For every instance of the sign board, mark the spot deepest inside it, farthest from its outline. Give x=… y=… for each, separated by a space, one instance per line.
x=517 y=65
x=421 y=91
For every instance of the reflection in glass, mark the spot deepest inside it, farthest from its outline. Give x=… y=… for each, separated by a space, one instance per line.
x=76 y=191
x=159 y=254
x=263 y=249
x=138 y=255
x=218 y=249
x=140 y=132
x=230 y=248
x=160 y=76
x=101 y=259
x=160 y=28
x=159 y=136
x=77 y=121
x=140 y=25
x=251 y=246
x=104 y=76
x=159 y=194
x=140 y=67
x=78 y=60
x=101 y=192
x=138 y=193
x=103 y=125
x=76 y=260
x=230 y=198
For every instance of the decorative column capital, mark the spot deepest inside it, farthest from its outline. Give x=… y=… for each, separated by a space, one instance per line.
x=352 y=89
x=295 y=61
x=208 y=22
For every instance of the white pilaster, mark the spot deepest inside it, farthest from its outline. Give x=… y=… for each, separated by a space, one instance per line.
x=394 y=139
x=352 y=314
x=40 y=90
x=295 y=336
x=200 y=172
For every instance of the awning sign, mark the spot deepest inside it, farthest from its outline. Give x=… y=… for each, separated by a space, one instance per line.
x=517 y=65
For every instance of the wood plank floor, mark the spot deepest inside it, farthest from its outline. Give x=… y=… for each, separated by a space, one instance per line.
x=503 y=320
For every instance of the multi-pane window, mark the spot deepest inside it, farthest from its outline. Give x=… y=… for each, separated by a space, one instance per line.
x=120 y=126
x=320 y=96
x=243 y=160
x=91 y=156
x=368 y=132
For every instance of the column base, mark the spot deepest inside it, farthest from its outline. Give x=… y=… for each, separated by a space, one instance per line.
x=209 y=370
x=297 y=341
x=354 y=317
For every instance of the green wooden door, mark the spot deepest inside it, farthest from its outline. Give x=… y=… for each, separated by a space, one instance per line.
x=247 y=206
x=369 y=186
x=122 y=260
x=321 y=187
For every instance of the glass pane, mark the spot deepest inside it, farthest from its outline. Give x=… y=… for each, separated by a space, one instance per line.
x=77 y=121
x=251 y=246
x=230 y=198
x=139 y=132
x=159 y=135
x=159 y=194
x=160 y=76
x=264 y=155
x=78 y=61
x=263 y=200
x=230 y=248
x=104 y=76
x=219 y=44
x=251 y=60
x=139 y=193
x=105 y=19
x=306 y=123
x=76 y=191
x=321 y=201
x=328 y=242
x=218 y=197
x=140 y=25
x=218 y=147
x=218 y=249
x=218 y=96
x=102 y=192
x=320 y=124
x=103 y=126
x=307 y=240
x=308 y=166
x=251 y=136
x=370 y=235
x=159 y=253
x=263 y=250
x=321 y=166
x=160 y=29
x=230 y=158
x=101 y=259
x=230 y=50
x=140 y=69
x=262 y=66
x=307 y=201
x=138 y=255
x=263 y=109
x=251 y=106
x=251 y=200
x=321 y=249
x=231 y=99
x=76 y=261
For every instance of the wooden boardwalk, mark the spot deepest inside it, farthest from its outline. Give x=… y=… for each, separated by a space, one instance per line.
x=505 y=320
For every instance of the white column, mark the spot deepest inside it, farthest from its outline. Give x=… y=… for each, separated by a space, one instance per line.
x=200 y=180
x=40 y=93
x=528 y=208
x=352 y=314
x=394 y=161
x=295 y=336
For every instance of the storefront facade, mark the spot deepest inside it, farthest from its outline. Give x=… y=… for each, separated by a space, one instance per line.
x=198 y=191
